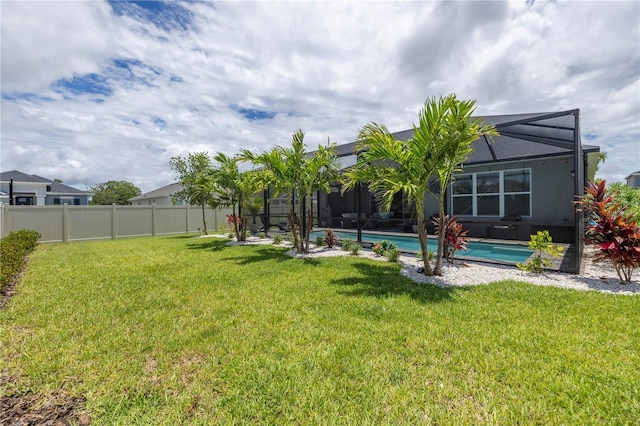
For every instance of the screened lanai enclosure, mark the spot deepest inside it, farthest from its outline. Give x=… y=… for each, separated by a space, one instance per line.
x=523 y=181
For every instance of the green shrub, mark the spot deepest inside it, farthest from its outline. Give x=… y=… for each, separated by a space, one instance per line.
x=392 y=254
x=290 y=237
x=380 y=248
x=319 y=241
x=277 y=239
x=262 y=236
x=540 y=243
x=351 y=246
x=14 y=249
x=386 y=249
x=431 y=254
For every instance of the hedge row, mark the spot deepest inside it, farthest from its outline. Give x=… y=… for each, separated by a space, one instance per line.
x=14 y=249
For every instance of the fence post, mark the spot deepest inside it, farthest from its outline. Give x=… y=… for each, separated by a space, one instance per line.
x=188 y=223
x=65 y=223
x=2 y=213
x=7 y=219
x=114 y=221
x=154 y=222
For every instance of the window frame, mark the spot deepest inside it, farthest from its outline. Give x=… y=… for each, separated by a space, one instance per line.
x=474 y=195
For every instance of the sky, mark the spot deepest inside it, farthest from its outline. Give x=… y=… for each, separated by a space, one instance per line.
x=95 y=91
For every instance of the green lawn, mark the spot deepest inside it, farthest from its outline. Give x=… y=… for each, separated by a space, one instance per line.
x=181 y=330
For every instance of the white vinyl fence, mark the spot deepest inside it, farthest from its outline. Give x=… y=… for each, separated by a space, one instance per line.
x=76 y=223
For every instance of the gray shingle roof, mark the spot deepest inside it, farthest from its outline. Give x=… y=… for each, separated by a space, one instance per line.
x=18 y=176
x=165 y=191
x=56 y=187
x=60 y=188
x=522 y=136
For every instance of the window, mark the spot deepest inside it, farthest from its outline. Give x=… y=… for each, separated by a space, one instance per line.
x=462 y=192
x=488 y=194
x=24 y=200
x=69 y=201
x=497 y=193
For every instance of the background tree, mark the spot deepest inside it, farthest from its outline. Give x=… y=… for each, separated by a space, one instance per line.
x=195 y=176
x=113 y=192
x=627 y=197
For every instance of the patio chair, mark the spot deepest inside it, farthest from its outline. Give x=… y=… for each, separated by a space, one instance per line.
x=266 y=224
x=507 y=224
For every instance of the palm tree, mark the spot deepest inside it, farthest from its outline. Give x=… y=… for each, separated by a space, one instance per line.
x=234 y=189
x=275 y=174
x=291 y=171
x=318 y=172
x=390 y=166
x=440 y=144
x=449 y=126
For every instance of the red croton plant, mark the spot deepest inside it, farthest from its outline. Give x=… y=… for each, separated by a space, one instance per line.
x=609 y=226
x=455 y=238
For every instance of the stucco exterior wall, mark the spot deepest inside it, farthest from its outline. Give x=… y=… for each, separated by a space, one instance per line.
x=552 y=198
x=38 y=190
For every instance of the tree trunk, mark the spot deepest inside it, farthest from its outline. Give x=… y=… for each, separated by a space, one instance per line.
x=235 y=222
x=423 y=238
x=204 y=222
x=292 y=226
x=438 y=268
x=243 y=228
x=300 y=218
x=308 y=233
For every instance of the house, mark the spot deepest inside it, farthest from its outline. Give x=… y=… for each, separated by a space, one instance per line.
x=36 y=190
x=162 y=196
x=633 y=180
x=533 y=170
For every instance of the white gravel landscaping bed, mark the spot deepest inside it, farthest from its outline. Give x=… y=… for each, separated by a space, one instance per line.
x=597 y=276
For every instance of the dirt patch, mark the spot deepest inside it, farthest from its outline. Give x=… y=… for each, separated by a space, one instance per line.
x=29 y=409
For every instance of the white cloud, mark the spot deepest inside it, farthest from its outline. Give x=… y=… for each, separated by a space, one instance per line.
x=44 y=41
x=327 y=68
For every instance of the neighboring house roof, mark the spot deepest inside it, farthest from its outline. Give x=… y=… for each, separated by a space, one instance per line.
x=165 y=191
x=61 y=188
x=18 y=176
x=633 y=174
x=521 y=136
x=54 y=187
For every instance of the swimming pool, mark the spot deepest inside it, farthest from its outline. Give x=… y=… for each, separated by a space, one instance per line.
x=491 y=251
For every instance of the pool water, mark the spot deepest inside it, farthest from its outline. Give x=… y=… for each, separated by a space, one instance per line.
x=512 y=253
